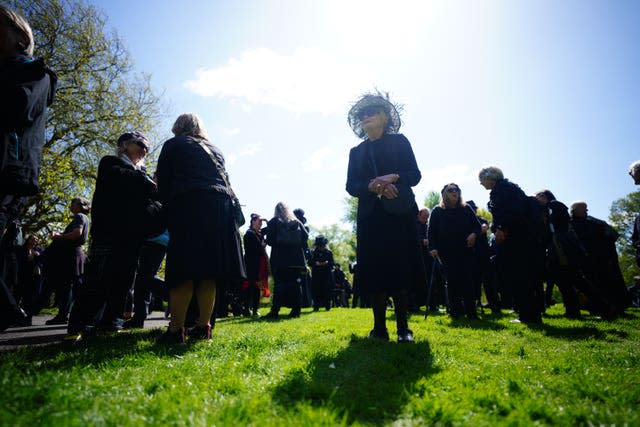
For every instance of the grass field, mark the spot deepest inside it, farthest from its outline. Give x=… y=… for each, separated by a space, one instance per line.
x=321 y=370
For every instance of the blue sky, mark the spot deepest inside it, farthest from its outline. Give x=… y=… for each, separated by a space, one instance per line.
x=546 y=90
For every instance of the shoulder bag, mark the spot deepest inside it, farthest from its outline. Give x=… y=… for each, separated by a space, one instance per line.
x=404 y=204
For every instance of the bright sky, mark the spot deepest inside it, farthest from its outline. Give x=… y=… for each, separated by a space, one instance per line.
x=546 y=90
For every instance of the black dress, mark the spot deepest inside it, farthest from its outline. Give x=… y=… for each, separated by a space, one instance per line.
x=387 y=249
x=204 y=241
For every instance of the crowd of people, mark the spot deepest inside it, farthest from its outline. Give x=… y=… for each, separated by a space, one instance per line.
x=188 y=213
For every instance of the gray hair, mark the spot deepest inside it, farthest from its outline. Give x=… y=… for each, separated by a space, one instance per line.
x=189 y=124
x=634 y=168
x=491 y=173
x=283 y=212
x=577 y=203
x=16 y=35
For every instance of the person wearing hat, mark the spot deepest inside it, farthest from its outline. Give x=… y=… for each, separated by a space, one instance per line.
x=117 y=232
x=387 y=252
x=321 y=274
x=452 y=233
x=256 y=261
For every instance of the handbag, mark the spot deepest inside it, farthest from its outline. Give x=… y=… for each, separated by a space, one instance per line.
x=404 y=204
x=236 y=207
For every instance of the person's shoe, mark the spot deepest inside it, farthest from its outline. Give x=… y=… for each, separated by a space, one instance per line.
x=176 y=337
x=72 y=337
x=406 y=336
x=57 y=320
x=200 y=332
x=21 y=318
x=294 y=313
x=133 y=323
x=271 y=315
x=380 y=335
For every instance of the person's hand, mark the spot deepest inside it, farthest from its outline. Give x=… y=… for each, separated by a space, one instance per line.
x=471 y=240
x=425 y=242
x=391 y=178
x=434 y=253
x=390 y=191
x=54 y=235
x=501 y=236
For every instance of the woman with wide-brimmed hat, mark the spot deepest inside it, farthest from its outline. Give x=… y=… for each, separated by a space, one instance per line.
x=387 y=249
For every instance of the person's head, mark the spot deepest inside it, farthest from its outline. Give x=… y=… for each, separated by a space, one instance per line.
x=80 y=205
x=189 y=124
x=451 y=196
x=321 y=242
x=299 y=213
x=489 y=176
x=256 y=221
x=134 y=145
x=423 y=215
x=283 y=212
x=16 y=37
x=579 y=209
x=544 y=197
x=634 y=171
x=374 y=112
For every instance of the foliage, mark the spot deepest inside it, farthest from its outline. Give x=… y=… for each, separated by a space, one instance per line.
x=432 y=200
x=351 y=211
x=483 y=213
x=320 y=370
x=622 y=216
x=98 y=98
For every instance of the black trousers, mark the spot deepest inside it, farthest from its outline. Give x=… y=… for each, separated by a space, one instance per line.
x=100 y=301
x=146 y=283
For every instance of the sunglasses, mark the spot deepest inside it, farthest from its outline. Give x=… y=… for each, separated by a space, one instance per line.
x=141 y=145
x=368 y=112
x=453 y=190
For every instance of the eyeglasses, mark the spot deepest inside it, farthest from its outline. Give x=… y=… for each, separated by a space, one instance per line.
x=368 y=112
x=453 y=190
x=141 y=145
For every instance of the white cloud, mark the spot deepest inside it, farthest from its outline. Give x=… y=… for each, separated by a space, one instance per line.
x=308 y=80
x=232 y=132
x=434 y=179
x=317 y=161
x=247 y=151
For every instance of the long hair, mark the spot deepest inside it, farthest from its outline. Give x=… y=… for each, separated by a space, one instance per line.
x=443 y=204
x=189 y=124
x=283 y=212
x=16 y=36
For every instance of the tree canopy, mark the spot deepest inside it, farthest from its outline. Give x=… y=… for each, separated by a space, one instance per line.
x=622 y=216
x=99 y=97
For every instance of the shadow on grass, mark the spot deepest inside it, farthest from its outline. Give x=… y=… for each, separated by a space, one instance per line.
x=575 y=333
x=369 y=381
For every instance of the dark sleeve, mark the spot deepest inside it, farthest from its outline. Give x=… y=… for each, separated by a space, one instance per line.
x=432 y=228
x=22 y=102
x=304 y=234
x=409 y=173
x=123 y=176
x=474 y=222
x=163 y=171
x=331 y=261
x=272 y=231
x=357 y=182
x=507 y=207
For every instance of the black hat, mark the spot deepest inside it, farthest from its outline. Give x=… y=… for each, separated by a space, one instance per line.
x=380 y=100
x=472 y=204
x=320 y=241
x=134 y=136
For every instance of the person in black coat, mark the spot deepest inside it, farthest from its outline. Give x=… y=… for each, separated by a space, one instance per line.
x=387 y=251
x=321 y=274
x=453 y=231
x=286 y=236
x=27 y=88
x=117 y=233
x=508 y=205
x=255 y=259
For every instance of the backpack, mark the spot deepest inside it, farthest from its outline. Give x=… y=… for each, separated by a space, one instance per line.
x=288 y=233
x=535 y=220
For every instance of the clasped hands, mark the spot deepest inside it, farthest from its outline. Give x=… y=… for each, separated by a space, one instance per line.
x=384 y=186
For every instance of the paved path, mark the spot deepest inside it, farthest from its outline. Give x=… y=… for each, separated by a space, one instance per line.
x=41 y=334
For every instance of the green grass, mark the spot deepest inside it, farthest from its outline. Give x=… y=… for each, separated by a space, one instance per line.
x=320 y=370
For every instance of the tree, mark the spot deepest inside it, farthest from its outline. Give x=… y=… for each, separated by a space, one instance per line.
x=98 y=98
x=351 y=211
x=432 y=200
x=622 y=216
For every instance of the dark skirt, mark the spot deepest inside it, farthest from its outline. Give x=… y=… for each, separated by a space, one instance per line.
x=387 y=252
x=204 y=242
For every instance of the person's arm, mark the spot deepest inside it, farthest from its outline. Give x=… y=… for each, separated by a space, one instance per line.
x=432 y=231
x=409 y=174
x=357 y=182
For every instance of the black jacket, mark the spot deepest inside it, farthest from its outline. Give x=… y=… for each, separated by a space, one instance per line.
x=119 y=201
x=507 y=204
x=398 y=158
x=449 y=228
x=285 y=255
x=253 y=250
x=27 y=87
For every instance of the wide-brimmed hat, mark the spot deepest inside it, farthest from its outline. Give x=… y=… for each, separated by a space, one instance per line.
x=380 y=100
x=321 y=241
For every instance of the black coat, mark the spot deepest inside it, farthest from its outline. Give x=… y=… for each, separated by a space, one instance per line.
x=253 y=251
x=285 y=255
x=399 y=158
x=449 y=228
x=119 y=201
x=507 y=204
x=27 y=87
